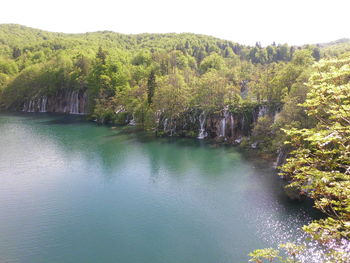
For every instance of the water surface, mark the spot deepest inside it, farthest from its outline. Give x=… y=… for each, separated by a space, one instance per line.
x=72 y=191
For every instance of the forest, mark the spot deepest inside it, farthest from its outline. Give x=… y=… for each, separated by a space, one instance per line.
x=287 y=101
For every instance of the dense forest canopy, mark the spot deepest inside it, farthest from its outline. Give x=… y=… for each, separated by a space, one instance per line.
x=149 y=78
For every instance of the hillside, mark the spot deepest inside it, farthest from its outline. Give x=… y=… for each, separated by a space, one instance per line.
x=25 y=38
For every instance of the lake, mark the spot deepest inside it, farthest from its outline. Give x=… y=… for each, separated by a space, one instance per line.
x=72 y=191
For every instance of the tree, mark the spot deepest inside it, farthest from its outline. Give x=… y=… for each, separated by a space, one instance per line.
x=213 y=61
x=172 y=95
x=16 y=52
x=210 y=91
x=101 y=54
x=320 y=163
x=316 y=53
x=151 y=85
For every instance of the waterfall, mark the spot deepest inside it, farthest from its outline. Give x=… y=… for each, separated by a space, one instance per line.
x=202 y=133
x=74 y=102
x=25 y=107
x=239 y=140
x=223 y=124
x=281 y=158
x=165 y=124
x=83 y=109
x=31 y=106
x=76 y=105
x=132 y=121
x=232 y=125
x=222 y=127
x=43 y=103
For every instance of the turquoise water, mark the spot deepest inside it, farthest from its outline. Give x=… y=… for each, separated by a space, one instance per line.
x=72 y=191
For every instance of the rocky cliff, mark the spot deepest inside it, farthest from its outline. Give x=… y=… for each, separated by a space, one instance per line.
x=63 y=101
x=225 y=125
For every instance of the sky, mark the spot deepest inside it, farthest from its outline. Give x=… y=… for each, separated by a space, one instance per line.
x=294 y=22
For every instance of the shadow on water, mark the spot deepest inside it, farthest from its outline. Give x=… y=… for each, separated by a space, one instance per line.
x=274 y=181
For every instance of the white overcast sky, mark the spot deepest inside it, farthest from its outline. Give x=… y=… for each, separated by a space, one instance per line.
x=244 y=21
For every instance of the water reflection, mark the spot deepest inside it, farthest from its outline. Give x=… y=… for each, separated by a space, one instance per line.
x=91 y=193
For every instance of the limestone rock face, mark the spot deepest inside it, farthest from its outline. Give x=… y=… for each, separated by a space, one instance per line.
x=63 y=101
x=223 y=125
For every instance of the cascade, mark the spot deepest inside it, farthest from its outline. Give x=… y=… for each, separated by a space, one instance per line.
x=25 y=107
x=222 y=127
x=202 y=133
x=74 y=103
x=232 y=125
x=223 y=123
x=31 y=106
x=83 y=108
x=132 y=121
x=43 y=103
x=165 y=124
x=281 y=157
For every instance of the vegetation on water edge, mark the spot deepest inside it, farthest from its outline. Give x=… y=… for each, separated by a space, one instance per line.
x=319 y=163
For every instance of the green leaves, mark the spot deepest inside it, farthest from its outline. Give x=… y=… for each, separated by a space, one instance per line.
x=273 y=255
x=320 y=162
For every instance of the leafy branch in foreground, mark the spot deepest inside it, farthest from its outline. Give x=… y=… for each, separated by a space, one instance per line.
x=271 y=254
x=319 y=166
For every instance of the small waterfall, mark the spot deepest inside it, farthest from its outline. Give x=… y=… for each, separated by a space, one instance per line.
x=132 y=122
x=31 y=106
x=25 y=107
x=222 y=127
x=74 y=102
x=239 y=140
x=165 y=124
x=223 y=123
x=202 y=133
x=43 y=103
x=281 y=158
x=232 y=125
x=83 y=109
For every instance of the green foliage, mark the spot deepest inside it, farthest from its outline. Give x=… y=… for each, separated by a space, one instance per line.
x=212 y=62
x=172 y=95
x=151 y=86
x=273 y=255
x=319 y=163
x=212 y=91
